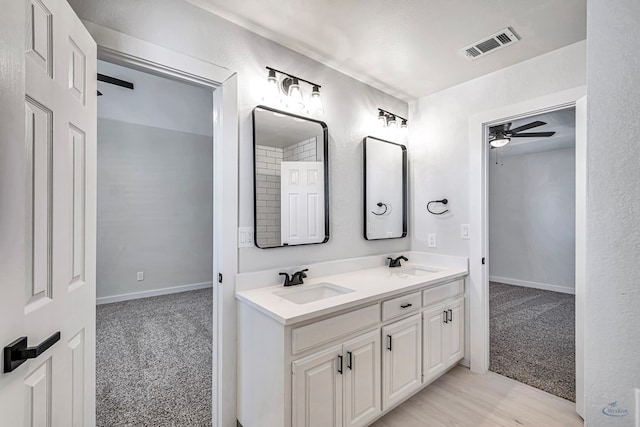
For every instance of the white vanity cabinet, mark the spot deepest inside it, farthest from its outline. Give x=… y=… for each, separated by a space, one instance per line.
x=443 y=331
x=338 y=386
x=402 y=360
x=317 y=389
x=349 y=366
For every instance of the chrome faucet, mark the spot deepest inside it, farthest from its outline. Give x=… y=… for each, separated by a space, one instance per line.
x=295 y=279
x=396 y=262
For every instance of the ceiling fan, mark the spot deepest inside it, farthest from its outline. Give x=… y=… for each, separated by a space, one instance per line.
x=501 y=135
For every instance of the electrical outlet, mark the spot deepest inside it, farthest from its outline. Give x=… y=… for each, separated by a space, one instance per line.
x=464 y=231
x=431 y=240
x=140 y=276
x=245 y=237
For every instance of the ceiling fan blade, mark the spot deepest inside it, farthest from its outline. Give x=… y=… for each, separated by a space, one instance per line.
x=528 y=126
x=533 y=134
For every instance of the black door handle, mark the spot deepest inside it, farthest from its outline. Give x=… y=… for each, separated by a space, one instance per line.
x=446 y=317
x=406 y=305
x=389 y=342
x=16 y=353
x=450 y=315
x=349 y=360
x=340 y=364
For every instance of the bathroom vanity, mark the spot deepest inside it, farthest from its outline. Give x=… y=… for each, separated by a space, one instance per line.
x=343 y=350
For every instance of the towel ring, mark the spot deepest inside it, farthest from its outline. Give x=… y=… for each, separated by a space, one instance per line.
x=443 y=201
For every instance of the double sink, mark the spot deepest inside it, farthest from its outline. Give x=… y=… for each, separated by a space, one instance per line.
x=305 y=294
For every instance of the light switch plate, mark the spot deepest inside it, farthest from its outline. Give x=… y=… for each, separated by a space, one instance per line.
x=245 y=237
x=464 y=231
x=140 y=276
x=431 y=240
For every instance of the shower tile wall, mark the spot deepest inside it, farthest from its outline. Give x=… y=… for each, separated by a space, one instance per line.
x=268 y=160
x=304 y=151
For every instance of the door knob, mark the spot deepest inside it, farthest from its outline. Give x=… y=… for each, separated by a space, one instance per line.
x=16 y=353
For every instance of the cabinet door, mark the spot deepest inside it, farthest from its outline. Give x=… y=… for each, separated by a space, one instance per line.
x=317 y=390
x=454 y=335
x=402 y=359
x=362 y=379
x=433 y=330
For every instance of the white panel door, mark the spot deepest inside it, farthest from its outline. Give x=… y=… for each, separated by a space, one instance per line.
x=362 y=379
x=454 y=333
x=56 y=241
x=317 y=389
x=302 y=202
x=401 y=360
x=432 y=342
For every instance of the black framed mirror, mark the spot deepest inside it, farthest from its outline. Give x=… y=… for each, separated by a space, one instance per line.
x=290 y=179
x=385 y=189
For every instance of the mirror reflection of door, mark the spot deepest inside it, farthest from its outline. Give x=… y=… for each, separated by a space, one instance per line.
x=385 y=182
x=289 y=179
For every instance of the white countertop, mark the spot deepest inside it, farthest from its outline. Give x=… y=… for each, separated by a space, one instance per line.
x=367 y=285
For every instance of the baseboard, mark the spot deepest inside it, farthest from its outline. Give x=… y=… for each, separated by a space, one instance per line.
x=536 y=285
x=153 y=293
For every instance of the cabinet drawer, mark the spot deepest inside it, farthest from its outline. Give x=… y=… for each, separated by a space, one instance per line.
x=442 y=292
x=401 y=305
x=324 y=331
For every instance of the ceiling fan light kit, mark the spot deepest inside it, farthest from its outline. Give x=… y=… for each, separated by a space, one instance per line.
x=500 y=135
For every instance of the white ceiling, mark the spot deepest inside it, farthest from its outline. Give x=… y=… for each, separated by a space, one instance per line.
x=562 y=122
x=408 y=48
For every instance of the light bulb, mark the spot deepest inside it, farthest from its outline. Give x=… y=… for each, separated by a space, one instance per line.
x=500 y=140
x=403 y=125
x=392 y=123
x=382 y=119
x=295 y=95
x=315 y=102
x=271 y=91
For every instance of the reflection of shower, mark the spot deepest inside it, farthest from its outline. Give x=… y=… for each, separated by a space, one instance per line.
x=387 y=209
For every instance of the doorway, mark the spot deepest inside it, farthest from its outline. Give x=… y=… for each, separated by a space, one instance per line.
x=154 y=249
x=531 y=208
x=478 y=284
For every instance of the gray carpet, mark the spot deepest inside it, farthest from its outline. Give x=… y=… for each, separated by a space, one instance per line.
x=533 y=337
x=154 y=361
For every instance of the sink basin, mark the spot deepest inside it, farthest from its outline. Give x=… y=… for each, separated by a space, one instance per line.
x=419 y=271
x=305 y=294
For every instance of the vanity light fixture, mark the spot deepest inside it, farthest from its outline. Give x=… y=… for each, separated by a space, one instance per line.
x=315 y=102
x=389 y=120
x=295 y=100
x=392 y=123
x=292 y=91
x=271 y=91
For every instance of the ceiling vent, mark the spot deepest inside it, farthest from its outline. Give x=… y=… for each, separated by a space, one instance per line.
x=490 y=44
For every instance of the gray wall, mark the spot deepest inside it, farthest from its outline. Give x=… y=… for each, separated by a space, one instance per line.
x=155 y=101
x=154 y=208
x=532 y=219
x=439 y=135
x=612 y=304
x=350 y=105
